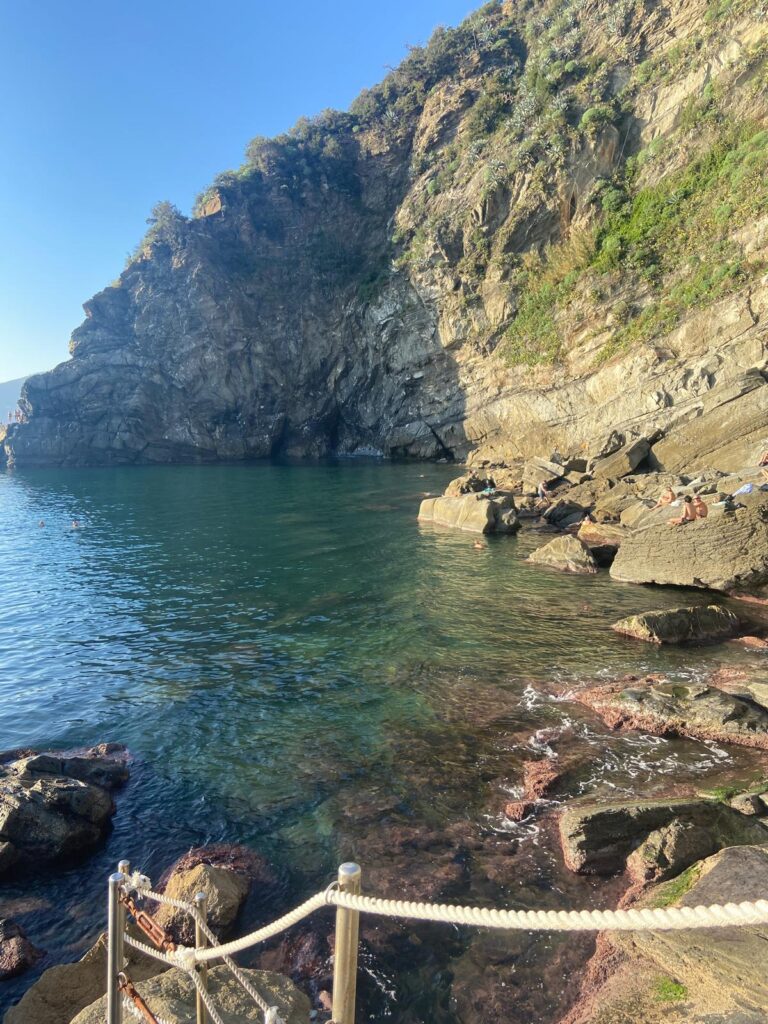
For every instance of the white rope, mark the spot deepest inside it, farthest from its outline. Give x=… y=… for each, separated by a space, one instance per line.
x=129 y=1005
x=165 y=958
x=213 y=1013
x=658 y=919
x=261 y=935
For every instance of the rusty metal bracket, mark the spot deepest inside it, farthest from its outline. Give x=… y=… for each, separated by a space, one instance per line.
x=155 y=932
x=128 y=989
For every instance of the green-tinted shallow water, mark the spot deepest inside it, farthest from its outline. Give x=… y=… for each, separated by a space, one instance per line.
x=278 y=644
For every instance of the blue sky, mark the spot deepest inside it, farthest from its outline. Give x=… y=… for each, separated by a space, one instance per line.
x=109 y=107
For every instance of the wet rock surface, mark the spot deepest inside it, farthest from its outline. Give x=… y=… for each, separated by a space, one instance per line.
x=696 y=710
x=16 y=951
x=57 y=805
x=705 y=623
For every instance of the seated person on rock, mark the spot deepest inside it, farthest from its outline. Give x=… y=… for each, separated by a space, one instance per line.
x=667 y=497
x=689 y=513
x=700 y=507
x=763 y=462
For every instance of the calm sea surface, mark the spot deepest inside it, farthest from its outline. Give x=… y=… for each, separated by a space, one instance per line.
x=295 y=663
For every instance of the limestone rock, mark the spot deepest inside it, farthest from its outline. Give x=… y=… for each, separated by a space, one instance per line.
x=725 y=551
x=472 y=512
x=45 y=815
x=537 y=471
x=16 y=951
x=564 y=513
x=710 y=623
x=225 y=874
x=63 y=991
x=623 y=462
x=671 y=849
x=602 y=539
x=695 y=710
x=597 y=838
x=171 y=996
x=568 y=554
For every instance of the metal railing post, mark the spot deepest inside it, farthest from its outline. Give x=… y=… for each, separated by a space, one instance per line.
x=201 y=941
x=345 y=952
x=115 y=948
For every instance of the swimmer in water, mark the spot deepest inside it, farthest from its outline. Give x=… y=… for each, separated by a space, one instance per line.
x=41 y=523
x=479 y=545
x=75 y=524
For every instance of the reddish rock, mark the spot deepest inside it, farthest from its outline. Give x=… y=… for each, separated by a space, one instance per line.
x=516 y=810
x=539 y=777
x=17 y=953
x=755 y=643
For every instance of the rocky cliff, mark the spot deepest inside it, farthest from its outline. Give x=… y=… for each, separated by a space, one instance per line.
x=547 y=226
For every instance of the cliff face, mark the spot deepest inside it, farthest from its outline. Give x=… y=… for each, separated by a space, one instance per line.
x=549 y=224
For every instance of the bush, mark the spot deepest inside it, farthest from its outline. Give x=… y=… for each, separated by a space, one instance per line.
x=597 y=117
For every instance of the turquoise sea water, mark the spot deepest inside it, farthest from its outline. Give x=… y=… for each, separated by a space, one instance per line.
x=297 y=664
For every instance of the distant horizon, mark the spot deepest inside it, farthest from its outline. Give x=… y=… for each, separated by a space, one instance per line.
x=120 y=109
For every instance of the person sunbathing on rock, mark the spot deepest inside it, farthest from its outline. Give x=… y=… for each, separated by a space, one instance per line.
x=700 y=507
x=667 y=497
x=689 y=513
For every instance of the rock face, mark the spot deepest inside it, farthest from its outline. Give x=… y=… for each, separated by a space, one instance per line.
x=471 y=512
x=171 y=996
x=568 y=554
x=622 y=462
x=695 y=976
x=725 y=551
x=350 y=288
x=48 y=810
x=597 y=839
x=695 y=710
x=681 y=625
x=16 y=951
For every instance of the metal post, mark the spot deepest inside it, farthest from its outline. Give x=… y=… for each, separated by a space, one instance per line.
x=201 y=941
x=115 y=951
x=345 y=953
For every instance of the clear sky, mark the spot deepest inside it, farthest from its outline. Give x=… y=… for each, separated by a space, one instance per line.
x=108 y=107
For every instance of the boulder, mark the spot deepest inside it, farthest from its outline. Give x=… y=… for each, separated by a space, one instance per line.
x=707 y=623
x=623 y=462
x=472 y=512
x=16 y=951
x=668 y=850
x=46 y=815
x=725 y=551
x=225 y=874
x=171 y=996
x=597 y=839
x=602 y=539
x=564 y=513
x=695 y=710
x=612 y=502
x=568 y=554
x=540 y=471
x=63 y=991
x=726 y=436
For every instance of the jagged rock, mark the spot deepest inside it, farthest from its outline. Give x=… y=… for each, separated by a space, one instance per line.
x=568 y=554
x=597 y=839
x=726 y=436
x=695 y=710
x=564 y=513
x=612 y=502
x=709 y=623
x=171 y=996
x=16 y=951
x=667 y=851
x=725 y=551
x=747 y=803
x=602 y=539
x=63 y=991
x=225 y=874
x=45 y=815
x=472 y=512
x=537 y=471
x=623 y=462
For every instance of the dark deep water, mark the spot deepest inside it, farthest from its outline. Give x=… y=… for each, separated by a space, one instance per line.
x=297 y=665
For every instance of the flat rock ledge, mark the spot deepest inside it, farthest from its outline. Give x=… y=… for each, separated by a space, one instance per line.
x=705 y=624
x=694 y=710
x=57 y=805
x=171 y=996
x=472 y=512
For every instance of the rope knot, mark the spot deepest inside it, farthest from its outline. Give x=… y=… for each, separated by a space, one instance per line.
x=184 y=958
x=137 y=881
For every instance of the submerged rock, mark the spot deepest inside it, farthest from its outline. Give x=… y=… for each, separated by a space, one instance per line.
x=568 y=554
x=51 y=806
x=472 y=512
x=695 y=710
x=681 y=625
x=171 y=996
